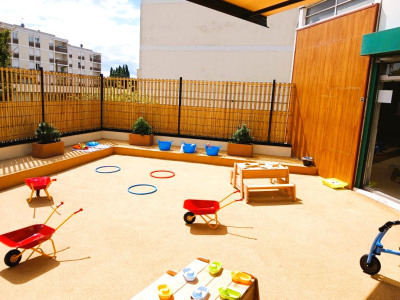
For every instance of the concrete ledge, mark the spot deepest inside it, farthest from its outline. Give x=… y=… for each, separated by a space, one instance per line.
x=14 y=171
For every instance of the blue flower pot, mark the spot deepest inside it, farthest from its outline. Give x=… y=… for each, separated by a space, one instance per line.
x=212 y=150
x=164 y=145
x=189 y=148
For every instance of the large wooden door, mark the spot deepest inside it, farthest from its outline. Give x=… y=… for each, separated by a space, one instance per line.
x=331 y=80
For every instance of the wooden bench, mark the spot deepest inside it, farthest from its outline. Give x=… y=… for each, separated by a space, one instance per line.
x=257 y=187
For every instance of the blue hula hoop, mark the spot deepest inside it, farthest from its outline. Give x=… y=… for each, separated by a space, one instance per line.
x=117 y=169
x=142 y=184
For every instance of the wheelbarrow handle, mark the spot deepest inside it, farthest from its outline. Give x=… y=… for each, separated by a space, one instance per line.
x=61 y=203
x=78 y=211
x=54 y=179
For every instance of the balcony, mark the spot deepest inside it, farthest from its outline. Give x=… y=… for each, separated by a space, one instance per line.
x=97 y=59
x=51 y=47
x=61 y=62
x=15 y=41
x=37 y=45
x=31 y=44
x=16 y=55
x=97 y=69
x=61 y=49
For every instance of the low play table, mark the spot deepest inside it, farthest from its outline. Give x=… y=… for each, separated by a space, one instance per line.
x=182 y=289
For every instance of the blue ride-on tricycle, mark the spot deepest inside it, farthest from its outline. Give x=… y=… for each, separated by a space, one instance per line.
x=369 y=263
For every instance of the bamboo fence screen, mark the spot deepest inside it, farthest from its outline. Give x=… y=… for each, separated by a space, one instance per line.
x=204 y=109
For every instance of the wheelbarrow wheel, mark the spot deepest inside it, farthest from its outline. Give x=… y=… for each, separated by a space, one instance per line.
x=189 y=217
x=373 y=267
x=37 y=193
x=11 y=259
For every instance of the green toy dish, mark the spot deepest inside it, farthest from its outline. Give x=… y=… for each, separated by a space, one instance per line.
x=215 y=267
x=227 y=293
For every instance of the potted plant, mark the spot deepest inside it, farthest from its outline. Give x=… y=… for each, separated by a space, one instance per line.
x=141 y=133
x=241 y=142
x=49 y=143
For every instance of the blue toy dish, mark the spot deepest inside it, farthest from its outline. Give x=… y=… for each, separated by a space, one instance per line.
x=212 y=150
x=164 y=145
x=189 y=148
x=92 y=144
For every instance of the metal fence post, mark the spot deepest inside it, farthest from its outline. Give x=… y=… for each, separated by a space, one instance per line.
x=101 y=99
x=271 y=110
x=180 y=103
x=42 y=91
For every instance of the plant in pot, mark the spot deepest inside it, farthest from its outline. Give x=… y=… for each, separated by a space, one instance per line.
x=241 y=142
x=141 y=133
x=49 y=143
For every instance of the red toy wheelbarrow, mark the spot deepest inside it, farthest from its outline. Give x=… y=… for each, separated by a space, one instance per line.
x=205 y=208
x=30 y=237
x=37 y=184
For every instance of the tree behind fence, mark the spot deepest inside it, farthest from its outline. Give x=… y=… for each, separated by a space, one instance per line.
x=203 y=109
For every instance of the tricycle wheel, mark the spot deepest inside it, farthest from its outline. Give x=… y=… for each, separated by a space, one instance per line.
x=12 y=259
x=373 y=267
x=189 y=217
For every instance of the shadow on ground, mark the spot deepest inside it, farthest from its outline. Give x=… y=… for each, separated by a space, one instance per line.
x=386 y=289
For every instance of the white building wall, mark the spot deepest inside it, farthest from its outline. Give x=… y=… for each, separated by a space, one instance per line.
x=179 y=38
x=389 y=14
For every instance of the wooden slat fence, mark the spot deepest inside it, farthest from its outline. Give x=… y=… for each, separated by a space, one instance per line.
x=72 y=102
x=208 y=109
x=20 y=103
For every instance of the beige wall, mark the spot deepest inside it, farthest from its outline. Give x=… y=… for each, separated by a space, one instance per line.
x=389 y=15
x=179 y=38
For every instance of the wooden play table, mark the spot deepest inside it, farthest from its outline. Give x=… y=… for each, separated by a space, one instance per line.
x=273 y=172
x=182 y=289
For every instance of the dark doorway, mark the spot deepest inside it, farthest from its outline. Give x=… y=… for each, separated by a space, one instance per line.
x=385 y=171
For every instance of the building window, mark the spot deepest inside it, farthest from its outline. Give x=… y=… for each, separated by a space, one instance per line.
x=15 y=52
x=37 y=40
x=331 y=8
x=15 y=37
x=37 y=66
x=51 y=67
x=31 y=40
x=51 y=43
x=79 y=64
x=15 y=63
x=51 y=55
x=31 y=65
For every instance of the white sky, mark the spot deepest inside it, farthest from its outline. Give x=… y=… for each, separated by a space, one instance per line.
x=110 y=27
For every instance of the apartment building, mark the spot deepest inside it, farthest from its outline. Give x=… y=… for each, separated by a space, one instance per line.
x=32 y=49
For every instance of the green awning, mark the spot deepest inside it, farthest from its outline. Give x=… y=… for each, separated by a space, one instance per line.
x=381 y=42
